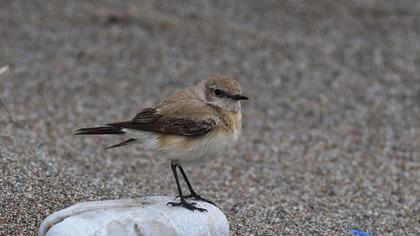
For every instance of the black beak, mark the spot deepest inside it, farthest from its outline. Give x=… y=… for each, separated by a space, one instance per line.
x=239 y=97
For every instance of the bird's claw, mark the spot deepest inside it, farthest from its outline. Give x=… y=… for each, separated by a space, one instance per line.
x=197 y=197
x=189 y=206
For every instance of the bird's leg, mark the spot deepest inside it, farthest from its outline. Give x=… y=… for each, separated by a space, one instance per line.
x=193 y=194
x=183 y=203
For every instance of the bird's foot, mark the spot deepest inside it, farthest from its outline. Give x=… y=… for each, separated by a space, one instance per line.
x=189 y=206
x=197 y=197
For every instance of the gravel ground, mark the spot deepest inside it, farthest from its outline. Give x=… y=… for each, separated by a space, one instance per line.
x=331 y=136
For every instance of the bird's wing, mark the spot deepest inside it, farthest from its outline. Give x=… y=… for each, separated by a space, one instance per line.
x=182 y=117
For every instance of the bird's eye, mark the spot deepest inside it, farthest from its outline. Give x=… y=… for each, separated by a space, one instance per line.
x=218 y=92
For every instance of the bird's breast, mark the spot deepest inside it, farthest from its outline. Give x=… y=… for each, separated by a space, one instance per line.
x=191 y=149
x=219 y=141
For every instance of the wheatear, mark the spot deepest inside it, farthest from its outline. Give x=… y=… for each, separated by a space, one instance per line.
x=196 y=123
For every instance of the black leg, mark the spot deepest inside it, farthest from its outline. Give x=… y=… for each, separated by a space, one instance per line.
x=183 y=203
x=193 y=194
x=186 y=180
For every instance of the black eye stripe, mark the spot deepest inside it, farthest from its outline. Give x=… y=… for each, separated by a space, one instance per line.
x=220 y=93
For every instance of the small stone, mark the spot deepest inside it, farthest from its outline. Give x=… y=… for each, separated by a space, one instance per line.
x=143 y=216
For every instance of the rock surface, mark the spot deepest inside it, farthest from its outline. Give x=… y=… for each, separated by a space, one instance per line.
x=143 y=216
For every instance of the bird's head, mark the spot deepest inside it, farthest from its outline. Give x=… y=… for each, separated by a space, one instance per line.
x=224 y=92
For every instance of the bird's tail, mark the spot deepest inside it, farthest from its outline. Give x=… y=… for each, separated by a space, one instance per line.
x=100 y=130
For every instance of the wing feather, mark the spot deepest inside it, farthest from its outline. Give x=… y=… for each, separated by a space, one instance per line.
x=188 y=118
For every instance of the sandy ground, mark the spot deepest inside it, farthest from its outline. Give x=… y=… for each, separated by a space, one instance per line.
x=331 y=136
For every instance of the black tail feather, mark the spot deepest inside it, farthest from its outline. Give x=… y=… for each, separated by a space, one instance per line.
x=126 y=142
x=100 y=130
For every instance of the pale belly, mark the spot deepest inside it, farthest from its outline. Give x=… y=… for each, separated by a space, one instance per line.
x=199 y=149
x=187 y=149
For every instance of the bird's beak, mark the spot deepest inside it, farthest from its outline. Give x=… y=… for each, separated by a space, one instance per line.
x=239 y=97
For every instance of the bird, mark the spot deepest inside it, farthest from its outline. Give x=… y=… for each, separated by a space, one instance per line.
x=192 y=125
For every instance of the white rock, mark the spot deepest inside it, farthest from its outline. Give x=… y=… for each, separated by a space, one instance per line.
x=144 y=216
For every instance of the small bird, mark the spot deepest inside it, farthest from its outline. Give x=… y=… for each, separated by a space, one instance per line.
x=194 y=124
